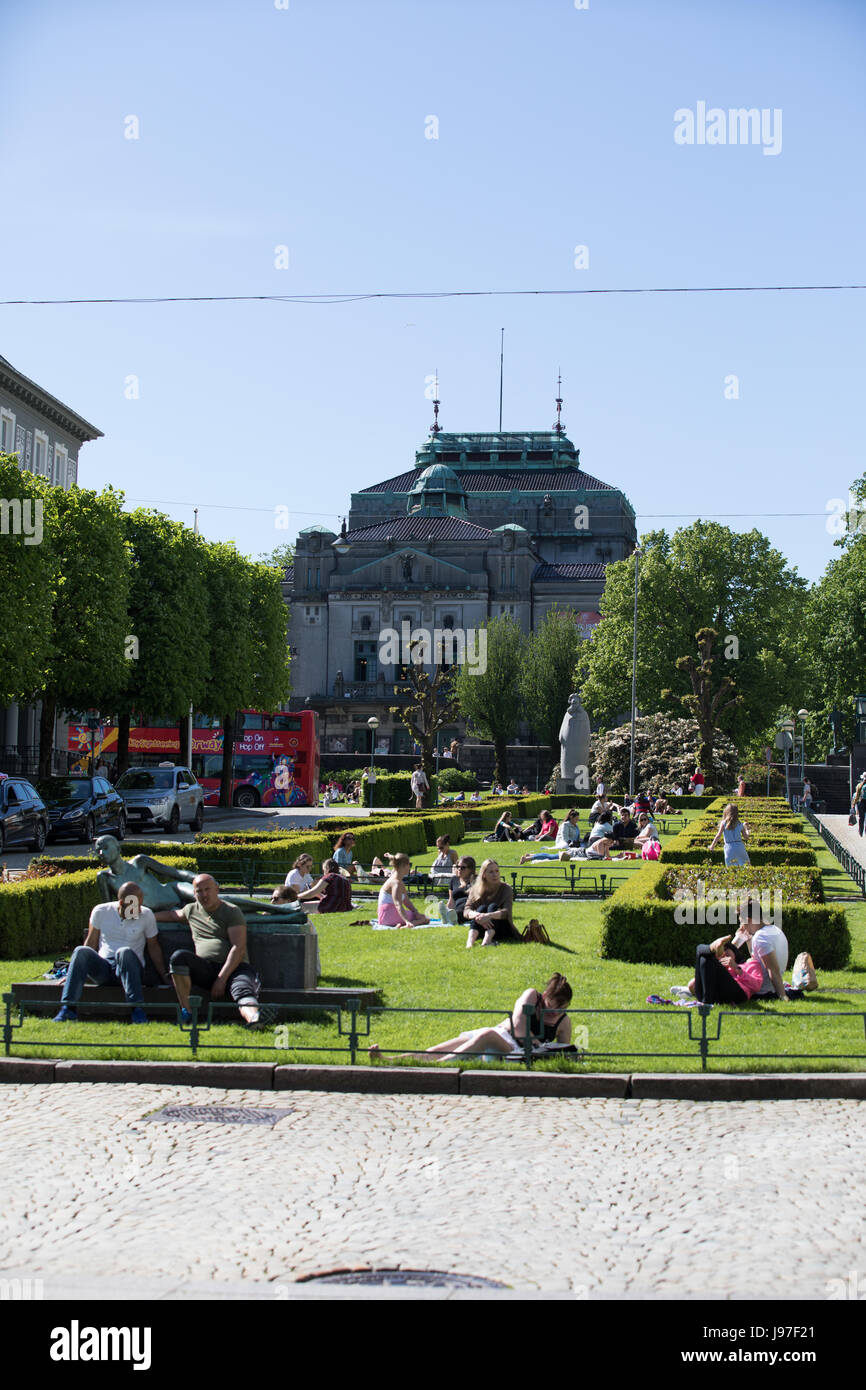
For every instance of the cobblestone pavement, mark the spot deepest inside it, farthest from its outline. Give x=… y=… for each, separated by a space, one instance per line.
x=556 y=1198
x=848 y=835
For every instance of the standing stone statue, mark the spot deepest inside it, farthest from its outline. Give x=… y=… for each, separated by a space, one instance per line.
x=574 y=748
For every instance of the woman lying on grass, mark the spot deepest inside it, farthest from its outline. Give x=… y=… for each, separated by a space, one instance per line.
x=552 y=1025
x=395 y=908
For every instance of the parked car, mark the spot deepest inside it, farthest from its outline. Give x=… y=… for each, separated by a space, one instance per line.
x=162 y=796
x=23 y=816
x=80 y=808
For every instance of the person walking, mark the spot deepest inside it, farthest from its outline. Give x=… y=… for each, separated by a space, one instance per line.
x=732 y=830
x=858 y=803
x=420 y=786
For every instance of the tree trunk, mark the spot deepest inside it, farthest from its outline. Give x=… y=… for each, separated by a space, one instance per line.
x=122 y=744
x=46 y=731
x=500 y=771
x=705 y=752
x=228 y=749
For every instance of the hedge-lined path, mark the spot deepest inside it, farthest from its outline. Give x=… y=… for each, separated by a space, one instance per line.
x=847 y=835
x=582 y=1198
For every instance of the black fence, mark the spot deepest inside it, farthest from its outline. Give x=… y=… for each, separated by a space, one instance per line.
x=852 y=866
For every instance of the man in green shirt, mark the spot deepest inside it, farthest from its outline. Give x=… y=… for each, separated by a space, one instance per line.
x=219 y=960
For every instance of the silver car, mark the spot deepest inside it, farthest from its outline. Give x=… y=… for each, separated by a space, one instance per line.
x=162 y=796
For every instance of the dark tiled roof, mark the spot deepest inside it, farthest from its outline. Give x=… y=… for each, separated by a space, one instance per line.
x=547 y=571
x=495 y=480
x=405 y=528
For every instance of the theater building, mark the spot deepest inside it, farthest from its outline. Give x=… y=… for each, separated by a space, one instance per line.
x=481 y=525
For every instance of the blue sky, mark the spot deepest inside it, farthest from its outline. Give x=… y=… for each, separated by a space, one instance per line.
x=305 y=127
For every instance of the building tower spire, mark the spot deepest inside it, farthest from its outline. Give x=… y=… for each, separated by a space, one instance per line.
x=436 y=428
x=559 y=428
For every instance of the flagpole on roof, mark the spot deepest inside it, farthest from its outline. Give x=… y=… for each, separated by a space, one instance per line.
x=501 y=360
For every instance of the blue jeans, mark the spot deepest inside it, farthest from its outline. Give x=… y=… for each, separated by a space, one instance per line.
x=124 y=968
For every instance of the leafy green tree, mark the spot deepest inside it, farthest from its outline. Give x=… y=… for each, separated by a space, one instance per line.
x=833 y=638
x=168 y=661
x=89 y=624
x=547 y=677
x=279 y=557
x=26 y=582
x=269 y=628
x=663 y=755
x=491 y=699
x=230 y=683
x=704 y=576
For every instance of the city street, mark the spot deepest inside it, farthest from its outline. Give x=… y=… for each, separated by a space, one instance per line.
x=586 y=1199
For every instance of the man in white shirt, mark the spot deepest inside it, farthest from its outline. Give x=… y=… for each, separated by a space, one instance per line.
x=113 y=953
x=420 y=786
x=767 y=944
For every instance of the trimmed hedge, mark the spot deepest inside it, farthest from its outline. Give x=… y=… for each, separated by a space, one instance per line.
x=799 y=884
x=766 y=855
x=394 y=789
x=638 y=925
x=46 y=916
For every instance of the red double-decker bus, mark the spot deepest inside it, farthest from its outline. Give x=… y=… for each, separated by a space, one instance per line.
x=276 y=756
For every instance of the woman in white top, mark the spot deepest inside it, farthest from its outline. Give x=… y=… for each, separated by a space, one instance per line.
x=645 y=829
x=299 y=876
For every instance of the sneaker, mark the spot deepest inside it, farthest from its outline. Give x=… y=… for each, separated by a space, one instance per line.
x=139 y=1016
x=185 y=1016
x=680 y=992
x=66 y=1015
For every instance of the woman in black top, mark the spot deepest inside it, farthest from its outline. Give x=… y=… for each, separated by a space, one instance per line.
x=552 y=1024
x=460 y=885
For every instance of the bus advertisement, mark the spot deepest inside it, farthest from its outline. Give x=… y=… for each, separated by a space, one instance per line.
x=276 y=757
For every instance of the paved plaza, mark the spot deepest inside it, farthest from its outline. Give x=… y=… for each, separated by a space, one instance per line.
x=556 y=1198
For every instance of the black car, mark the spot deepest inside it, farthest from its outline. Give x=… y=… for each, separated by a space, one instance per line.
x=23 y=817
x=80 y=808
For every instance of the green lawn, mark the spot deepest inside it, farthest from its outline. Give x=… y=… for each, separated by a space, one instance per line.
x=432 y=969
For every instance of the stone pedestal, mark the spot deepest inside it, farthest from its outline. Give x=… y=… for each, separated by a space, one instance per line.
x=284 y=953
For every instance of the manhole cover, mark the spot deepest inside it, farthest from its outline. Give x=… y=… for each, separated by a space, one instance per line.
x=429 y=1278
x=220 y=1114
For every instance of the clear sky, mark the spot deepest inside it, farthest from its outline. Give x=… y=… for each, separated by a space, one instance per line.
x=306 y=127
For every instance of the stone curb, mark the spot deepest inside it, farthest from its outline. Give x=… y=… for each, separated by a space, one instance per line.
x=371 y=1080
x=265 y=1076
x=503 y=1083
x=779 y=1086
x=253 y=1076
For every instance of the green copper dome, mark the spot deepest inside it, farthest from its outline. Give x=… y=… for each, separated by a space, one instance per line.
x=438 y=492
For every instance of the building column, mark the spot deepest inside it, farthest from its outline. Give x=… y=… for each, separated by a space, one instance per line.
x=10 y=734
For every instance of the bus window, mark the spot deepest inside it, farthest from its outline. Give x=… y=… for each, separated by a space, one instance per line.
x=287 y=723
x=253 y=721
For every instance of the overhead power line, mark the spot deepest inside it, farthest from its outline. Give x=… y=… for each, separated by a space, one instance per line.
x=349 y=298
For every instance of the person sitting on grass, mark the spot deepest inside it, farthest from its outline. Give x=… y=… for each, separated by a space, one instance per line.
x=567 y=838
x=645 y=829
x=343 y=853
x=333 y=890
x=395 y=908
x=284 y=894
x=300 y=875
x=549 y=827
x=113 y=953
x=218 y=960
x=548 y=1024
x=488 y=908
x=767 y=944
x=626 y=827
x=505 y=829
x=445 y=860
x=718 y=979
x=458 y=889
x=662 y=806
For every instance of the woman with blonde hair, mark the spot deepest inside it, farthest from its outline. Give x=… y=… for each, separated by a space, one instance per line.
x=732 y=829
x=488 y=908
x=395 y=908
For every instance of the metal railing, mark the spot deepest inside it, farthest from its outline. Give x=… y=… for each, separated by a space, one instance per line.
x=852 y=866
x=353 y=1026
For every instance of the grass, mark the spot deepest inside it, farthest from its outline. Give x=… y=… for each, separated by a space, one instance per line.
x=432 y=969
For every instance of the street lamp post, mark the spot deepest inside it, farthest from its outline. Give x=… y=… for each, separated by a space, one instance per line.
x=631 y=788
x=785 y=740
x=372 y=725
